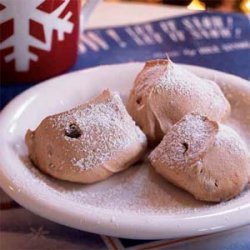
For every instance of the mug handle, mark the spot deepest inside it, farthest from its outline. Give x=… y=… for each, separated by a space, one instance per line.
x=87 y=9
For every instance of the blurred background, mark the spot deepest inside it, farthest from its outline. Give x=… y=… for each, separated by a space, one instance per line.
x=220 y=5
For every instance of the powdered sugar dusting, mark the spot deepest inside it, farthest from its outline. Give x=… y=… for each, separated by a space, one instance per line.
x=107 y=129
x=137 y=190
x=231 y=141
x=186 y=142
x=177 y=80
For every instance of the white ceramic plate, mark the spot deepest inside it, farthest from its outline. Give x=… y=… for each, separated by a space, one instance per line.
x=134 y=204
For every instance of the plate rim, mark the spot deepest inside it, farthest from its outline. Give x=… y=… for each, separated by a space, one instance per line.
x=161 y=228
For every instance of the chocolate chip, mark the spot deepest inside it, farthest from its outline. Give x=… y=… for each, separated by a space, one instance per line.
x=204 y=118
x=138 y=100
x=185 y=146
x=73 y=131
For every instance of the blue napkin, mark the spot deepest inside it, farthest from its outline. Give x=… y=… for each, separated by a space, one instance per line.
x=209 y=39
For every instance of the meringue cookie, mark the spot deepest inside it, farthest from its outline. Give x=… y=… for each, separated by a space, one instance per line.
x=208 y=160
x=164 y=92
x=88 y=143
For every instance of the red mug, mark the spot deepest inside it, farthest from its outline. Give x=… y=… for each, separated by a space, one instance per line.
x=39 y=38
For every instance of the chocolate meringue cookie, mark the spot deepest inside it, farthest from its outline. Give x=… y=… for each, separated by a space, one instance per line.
x=88 y=143
x=208 y=160
x=164 y=92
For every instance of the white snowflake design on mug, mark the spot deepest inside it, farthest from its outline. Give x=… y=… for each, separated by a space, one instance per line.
x=23 y=14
